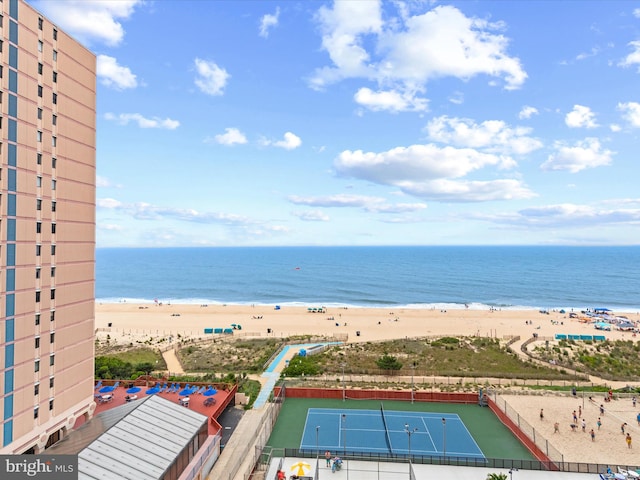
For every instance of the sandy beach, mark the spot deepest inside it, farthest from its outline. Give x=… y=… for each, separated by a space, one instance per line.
x=372 y=323
x=124 y=322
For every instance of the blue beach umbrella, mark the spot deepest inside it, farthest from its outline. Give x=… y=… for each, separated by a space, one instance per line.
x=133 y=390
x=107 y=389
x=210 y=392
x=152 y=391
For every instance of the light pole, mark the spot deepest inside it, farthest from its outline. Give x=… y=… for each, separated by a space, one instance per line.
x=444 y=438
x=344 y=432
x=511 y=470
x=317 y=447
x=344 y=393
x=409 y=432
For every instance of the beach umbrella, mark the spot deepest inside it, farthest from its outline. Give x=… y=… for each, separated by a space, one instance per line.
x=152 y=391
x=299 y=468
x=185 y=391
x=133 y=390
x=107 y=389
x=209 y=392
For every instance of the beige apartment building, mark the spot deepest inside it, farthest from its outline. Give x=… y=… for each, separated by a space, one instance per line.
x=47 y=229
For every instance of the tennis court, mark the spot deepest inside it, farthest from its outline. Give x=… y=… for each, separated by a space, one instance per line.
x=388 y=432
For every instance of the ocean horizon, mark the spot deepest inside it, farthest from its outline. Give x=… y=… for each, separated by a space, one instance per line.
x=514 y=277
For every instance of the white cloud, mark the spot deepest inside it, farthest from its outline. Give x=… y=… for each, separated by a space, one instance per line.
x=490 y=135
x=584 y=154
x=457 y=98
x=630 y=112
x=567 y=215
x=268 y=21
x=110 y=227
x=147 y=211
x=580 y=117
x=90 y=21
x=614 y=127
x=155 y=122
x=113 y=75
x=211 y=78
x=411 y=50
x=231 y=136
x=290 y=142
x=634 y=57
x=312 y=216
x=370 y=204
x=429 y=171
x=636 y=12
x=527 y=112
x=390 y=100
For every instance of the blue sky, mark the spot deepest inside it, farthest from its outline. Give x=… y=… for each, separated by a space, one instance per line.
x=242 y=123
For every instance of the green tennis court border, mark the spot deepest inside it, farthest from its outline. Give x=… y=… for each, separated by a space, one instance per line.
x=494 y=439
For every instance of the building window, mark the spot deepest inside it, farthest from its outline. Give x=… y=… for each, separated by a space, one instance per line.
x=36 y=389
x=40 y=45
x=53 y=249
x=39 y=114
x=40 y=68
x=52 y=315
x=40 y=91
x=55 y=34
x=53 y=162
x=54 y=141
x=38 y=227
x=38 y=204
x=55 y=55
x=55 y=77
x=53 y=228
x=53 y=184
x=52 y=360
x=55 y=98
x=51 y=382
x=53 y=272
x=38 y=181
x=37 y=366
x=39 y=136
x=38 y=250
x=39 y=159
x=35 y=412
x=52 y=337
x=37 y=342
x=53 y=206
x=53 y=294
x=54 y=119
x=38 y=273
x=40 y=23
x=38 y=296
x=37 y=319
x=51 y=404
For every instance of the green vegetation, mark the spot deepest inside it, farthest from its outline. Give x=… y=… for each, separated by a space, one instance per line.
x=388 y=363
x=232 y=355
x=609 y=359
x=129 y=364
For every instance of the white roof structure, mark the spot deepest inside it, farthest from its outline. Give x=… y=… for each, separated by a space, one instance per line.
x=137 y=441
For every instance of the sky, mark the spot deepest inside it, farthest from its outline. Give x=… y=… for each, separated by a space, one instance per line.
x=360 y=122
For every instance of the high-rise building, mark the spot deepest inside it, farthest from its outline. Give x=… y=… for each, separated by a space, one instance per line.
x=47 y=229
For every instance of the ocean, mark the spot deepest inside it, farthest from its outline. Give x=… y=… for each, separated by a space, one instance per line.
x=411 y=277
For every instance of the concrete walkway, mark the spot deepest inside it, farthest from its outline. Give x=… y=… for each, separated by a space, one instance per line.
x=173 y=364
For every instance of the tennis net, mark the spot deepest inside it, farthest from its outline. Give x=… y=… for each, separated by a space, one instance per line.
x=386 y=428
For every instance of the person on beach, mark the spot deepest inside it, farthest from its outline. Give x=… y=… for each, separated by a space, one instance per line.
x=601 y=409
x=622 y=427
x=628 y=439
x=556 y=427
x=327 y=456
x=593 y=435
x=599 y=423
x=638 y=419
x=633 y=400
x=575 y=417
x=541 y=414
x=579 y=411
x=584 y=425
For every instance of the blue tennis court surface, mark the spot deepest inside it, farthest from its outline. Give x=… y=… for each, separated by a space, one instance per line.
x=353 y=431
